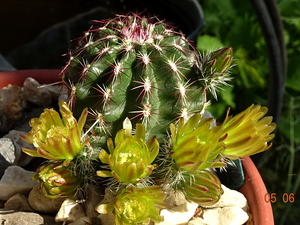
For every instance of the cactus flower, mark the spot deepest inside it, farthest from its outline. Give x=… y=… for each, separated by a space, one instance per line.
x=195 y=144
x=131 y=157
x=56 y=180
x=56 y=138
x=248 y=132
x=203 y=188
x=134 y=206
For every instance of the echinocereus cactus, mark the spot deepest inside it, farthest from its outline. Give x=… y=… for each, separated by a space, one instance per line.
x=139 y=72
x=133 y=206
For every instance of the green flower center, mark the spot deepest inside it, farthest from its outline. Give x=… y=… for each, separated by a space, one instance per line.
x=55 y=131
x=130 y=151
x=135 y=209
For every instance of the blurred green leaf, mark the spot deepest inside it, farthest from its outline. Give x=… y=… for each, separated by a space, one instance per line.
x=293 y=80
x=208 y=43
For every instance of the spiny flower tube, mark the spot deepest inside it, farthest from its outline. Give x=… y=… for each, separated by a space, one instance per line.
x=56 y=180
x=196 y=145
x=248 y=132
x=56 y=138
x=134 y=205
x=131 y=157
x=215 y=68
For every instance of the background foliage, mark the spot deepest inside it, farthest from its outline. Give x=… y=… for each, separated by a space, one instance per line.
x=234 y=23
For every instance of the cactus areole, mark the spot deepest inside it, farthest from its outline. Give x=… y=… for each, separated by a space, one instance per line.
x=133 y=67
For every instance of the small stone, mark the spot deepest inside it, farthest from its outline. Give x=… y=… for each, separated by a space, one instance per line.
x=16 y=180
x=94 y=197
x=18 y=202
x=197 y=221
x=211 y=216
x=69 y=211
x=179 y=214
x=233 y=216
x=107 y=219
x=231 y=198
x=10 y=217
x=54 y=90
x=11 y=107
x=35 y=93
x=174 y=198
x=7 y=154
x=21 y=158
x=82 y=221
x=41 y=203
x=225 y=216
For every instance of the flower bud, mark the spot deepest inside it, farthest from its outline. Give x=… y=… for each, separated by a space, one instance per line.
x=56 y=180
x=220 y=61
x=203 y=188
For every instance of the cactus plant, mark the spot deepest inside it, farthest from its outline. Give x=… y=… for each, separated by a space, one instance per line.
x=139 y=72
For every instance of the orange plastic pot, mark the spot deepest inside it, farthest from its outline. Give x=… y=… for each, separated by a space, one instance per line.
x=254 y=188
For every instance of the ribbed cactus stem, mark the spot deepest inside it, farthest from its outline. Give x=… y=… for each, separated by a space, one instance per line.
x=133 y=67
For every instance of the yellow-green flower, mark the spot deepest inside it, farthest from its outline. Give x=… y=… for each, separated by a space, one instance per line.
x=131 y=157
x=248 y=132
x=56 y=180
x=196 y=145
x=56 y=138
x=134 y=206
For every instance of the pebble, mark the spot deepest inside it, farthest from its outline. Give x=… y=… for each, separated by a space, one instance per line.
x=35 y=93
x=11 y=107
x=21 y=159
x=178 y=214
x=231 y=198
x=11 y=217
x=70 y=211
x=40 y=203
x=7 y=154
x=18 y=202
x=225 y=216
x=107 y=219
x=197 y=221
x=16 y=180
x=93 y=197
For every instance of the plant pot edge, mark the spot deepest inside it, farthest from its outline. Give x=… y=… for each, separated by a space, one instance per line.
x=254 y=188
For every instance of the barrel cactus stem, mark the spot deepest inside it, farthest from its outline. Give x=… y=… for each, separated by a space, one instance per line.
x=134 y=67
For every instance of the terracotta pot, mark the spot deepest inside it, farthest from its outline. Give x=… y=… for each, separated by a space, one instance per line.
x=254 y=188
x=17 y=77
